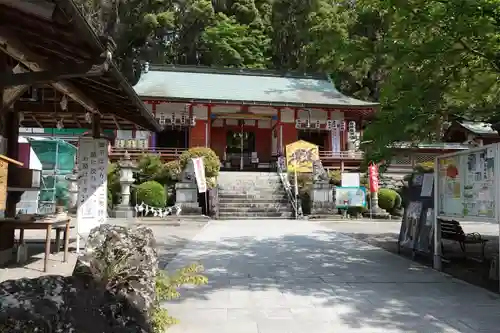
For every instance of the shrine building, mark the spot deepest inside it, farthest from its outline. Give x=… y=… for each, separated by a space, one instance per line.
x=246 y=116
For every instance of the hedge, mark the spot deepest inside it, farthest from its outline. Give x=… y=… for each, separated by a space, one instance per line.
x=210 y=159
x=151 y=193
x=388 y=199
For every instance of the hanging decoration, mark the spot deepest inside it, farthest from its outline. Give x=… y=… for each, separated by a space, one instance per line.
x=157 y=212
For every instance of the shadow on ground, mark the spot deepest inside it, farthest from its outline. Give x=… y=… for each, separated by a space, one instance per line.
x=326 y=277
x=463 y=266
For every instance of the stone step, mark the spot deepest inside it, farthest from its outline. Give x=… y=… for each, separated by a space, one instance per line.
x=232 y=217
x=242 y=209
x=256 y=201
x=236 y=185
x=252 y=215
x=252 y=198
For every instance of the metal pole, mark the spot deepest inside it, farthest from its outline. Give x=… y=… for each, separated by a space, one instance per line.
x=437 y=263
x=296 y=186
x=241 y=150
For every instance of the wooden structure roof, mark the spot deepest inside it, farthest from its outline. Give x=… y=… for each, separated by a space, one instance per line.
x=53 y=48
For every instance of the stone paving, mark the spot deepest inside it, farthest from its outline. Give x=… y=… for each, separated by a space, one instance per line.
x=296 y=276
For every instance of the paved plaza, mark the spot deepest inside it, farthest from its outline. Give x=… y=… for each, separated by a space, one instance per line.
x=298 y=276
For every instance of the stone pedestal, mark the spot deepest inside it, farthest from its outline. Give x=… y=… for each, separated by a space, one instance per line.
x=186 y=197
x=375 y=211
x=322 y=201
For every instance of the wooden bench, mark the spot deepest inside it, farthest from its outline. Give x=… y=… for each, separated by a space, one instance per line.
x=452 y=230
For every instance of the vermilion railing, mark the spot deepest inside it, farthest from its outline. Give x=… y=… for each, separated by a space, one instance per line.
x=137 y=152
x=343 y=155
x=175 y=152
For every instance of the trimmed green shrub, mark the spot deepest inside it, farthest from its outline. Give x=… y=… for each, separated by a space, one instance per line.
x=172 y=170
x=114 y=188
x=151 y=193
x=356 y=211
x=150 y=167
x=210 y=159
x=387 y=199
x=335 y=177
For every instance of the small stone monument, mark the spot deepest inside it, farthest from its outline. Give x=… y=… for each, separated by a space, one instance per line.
x=186 y=192
x=127 y=168
x=322 y=200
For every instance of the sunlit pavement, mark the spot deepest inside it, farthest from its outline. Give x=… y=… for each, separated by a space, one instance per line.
x=296 y=276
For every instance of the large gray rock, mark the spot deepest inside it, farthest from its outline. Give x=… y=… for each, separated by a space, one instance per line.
x=56 y=304
x=112 y=289
x=124 y=260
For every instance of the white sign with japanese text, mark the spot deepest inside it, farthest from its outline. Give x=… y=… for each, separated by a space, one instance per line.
x=92 y=183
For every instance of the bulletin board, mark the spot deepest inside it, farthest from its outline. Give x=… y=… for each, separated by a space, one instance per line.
x=467 y=184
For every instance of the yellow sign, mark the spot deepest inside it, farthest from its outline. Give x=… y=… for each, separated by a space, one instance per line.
x=300 y=156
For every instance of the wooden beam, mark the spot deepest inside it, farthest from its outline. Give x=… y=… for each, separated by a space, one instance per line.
x=116 y=121
x=12 y=94
x=46 y=76
x=18 y=51
x=36 y=121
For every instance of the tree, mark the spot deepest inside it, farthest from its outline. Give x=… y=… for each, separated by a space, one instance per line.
x=232 y=44
x=443 y=68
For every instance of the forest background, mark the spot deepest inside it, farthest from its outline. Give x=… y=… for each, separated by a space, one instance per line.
x=426 y=62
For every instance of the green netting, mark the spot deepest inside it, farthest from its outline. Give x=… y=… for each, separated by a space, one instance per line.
x=55 y=154
x=58 y=160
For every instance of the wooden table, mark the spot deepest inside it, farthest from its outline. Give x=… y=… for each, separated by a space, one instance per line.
x=46 y=224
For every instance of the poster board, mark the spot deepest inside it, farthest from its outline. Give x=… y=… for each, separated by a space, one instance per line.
x=416 y=230
x=4 y=174
x=467 y=185
x=92 y=183
x=346 y=197
x=300 y=156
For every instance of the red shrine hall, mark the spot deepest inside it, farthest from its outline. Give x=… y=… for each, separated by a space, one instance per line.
x=247 y=116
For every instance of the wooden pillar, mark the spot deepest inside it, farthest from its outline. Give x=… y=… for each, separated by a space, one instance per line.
x=6 y=235
x=96 y=126
x=12 y=135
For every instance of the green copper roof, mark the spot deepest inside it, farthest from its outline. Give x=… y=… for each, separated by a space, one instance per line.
x=478 y=127
x=196 y=84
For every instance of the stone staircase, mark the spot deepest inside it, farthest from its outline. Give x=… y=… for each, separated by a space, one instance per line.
x=252 y=195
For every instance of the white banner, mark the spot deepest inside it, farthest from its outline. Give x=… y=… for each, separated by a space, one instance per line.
x=92 y=183
x=199 y=173
x=335 y=140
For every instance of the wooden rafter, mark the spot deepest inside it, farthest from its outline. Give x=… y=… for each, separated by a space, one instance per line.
x=16 y=50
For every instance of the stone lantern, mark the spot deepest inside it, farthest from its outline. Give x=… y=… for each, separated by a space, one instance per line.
x=72 y=179
x=127 y=168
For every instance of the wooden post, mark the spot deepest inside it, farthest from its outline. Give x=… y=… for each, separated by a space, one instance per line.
x=6 y=235
x=12 y=135
x=96 y=126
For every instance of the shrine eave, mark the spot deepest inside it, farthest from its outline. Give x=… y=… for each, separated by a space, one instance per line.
x=52 y=37
x=362 y=111
x=197 y=85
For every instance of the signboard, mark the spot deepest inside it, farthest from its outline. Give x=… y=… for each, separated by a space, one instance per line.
x=199 y=173
x=416 y=230
x=92 y=183
x=350 y=179
x=350 y=197
x=467 y=184
x=300 y=156
x=3 y=183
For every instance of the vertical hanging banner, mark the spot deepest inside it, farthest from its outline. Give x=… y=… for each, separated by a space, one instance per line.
x=373 y=177
x=199 y=173
x=92 y=183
